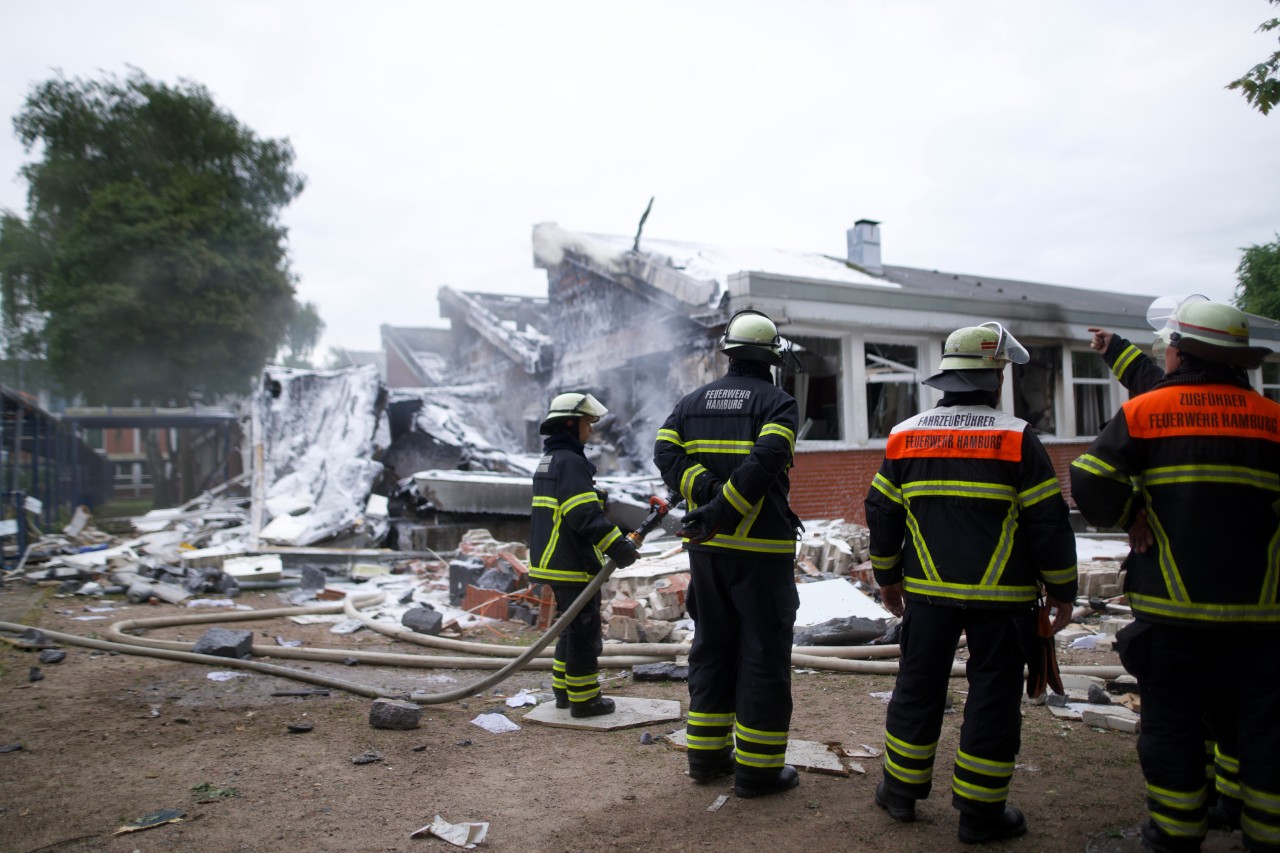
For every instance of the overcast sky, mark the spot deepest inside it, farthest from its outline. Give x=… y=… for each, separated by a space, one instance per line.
x=1089 y=143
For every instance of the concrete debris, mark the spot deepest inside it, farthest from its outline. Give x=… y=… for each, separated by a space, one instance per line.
x=665 y=671
x=34 y=674
x=394 y=714
x=225 y=643
x=299 y=728
x=367 y=757
x=49 y=656
x=423 y=620
x=10 y=747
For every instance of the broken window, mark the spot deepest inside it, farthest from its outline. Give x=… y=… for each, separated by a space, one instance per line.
x=1035 y=387
x=1091 y=384
x=817 y=390
x=1271 y=380
x=892 y=386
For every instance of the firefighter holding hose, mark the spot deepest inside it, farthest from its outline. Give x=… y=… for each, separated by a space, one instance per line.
x=569 y=536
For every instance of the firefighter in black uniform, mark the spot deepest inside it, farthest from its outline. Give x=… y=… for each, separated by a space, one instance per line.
x=1139 y=374
x=726 y=448
x=968 y=524
x=1200 y=453
x=568 y=536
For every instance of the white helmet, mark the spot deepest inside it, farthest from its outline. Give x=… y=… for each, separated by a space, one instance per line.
x=572 y=404
x=751 y=336
x=986 y=348
x=1213 y=331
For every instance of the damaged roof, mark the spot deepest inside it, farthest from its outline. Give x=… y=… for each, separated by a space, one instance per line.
x=816 y=288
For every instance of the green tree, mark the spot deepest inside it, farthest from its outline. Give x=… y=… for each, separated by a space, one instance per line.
x=1260 y=85
x=301 y=336
x=152 y=262
x=1258 y=291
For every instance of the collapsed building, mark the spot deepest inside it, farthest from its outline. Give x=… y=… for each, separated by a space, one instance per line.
x=636 y=320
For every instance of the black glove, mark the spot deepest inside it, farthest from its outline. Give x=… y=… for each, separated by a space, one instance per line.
x=623 y=553
x=701 y=524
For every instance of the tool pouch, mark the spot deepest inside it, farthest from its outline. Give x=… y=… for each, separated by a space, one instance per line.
x=1042 y=657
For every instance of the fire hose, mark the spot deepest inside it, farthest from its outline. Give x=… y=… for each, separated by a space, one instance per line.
x=505 y=660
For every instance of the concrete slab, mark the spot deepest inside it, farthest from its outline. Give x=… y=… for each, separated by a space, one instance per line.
x=834 y=599
x=802 y=754
x=629 y=713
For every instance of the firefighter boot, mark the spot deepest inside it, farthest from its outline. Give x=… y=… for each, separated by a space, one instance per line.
x=753 y=785
x=562 y=697
x=1224 y=813
x=710 y=767
x=901 y=808
x=596 y=707
x=980 y=830
x=1154 y=839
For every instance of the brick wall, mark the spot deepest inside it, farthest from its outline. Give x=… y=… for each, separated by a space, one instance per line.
x=834 y=483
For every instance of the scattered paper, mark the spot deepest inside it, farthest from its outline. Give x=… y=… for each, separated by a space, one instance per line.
x=524 y=697
x=224 y=675
x=154 y=819
x=347 y=626
x=1089 y=641
x=86 y=618
x=288 y=644
x=466 y=835
x=883 y=695
x=212 y=602
x=720 y=801
x=495 y=723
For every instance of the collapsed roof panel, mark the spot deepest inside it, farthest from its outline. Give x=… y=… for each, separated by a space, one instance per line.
x=510 y=324
x=318 y=432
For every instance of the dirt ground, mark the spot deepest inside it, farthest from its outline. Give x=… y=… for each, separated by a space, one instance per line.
x=109 y=738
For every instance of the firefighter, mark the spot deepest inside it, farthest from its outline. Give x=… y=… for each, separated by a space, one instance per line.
x=726 y=448
x=568 y=536
x=1139 y=374
x=1200 y=454
x=968 y=529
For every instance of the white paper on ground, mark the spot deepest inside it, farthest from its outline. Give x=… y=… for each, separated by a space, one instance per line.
x=495 y=723
x=224 y=675
x=524 y=697
x=466 y=835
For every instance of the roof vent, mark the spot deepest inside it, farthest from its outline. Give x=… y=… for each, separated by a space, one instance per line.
x=864 y=245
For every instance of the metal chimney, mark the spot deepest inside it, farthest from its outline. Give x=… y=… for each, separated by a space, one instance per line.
x=864 y=245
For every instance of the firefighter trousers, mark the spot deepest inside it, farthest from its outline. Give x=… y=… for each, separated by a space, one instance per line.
x=575 y=668
x=1222 y=677
x=744 y=608
x=991 y=733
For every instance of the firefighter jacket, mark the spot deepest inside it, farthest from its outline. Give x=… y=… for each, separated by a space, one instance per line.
x=1201 y=453
x=1131 y=366
x=734 y=439
x=966 y=510
x=568 y=531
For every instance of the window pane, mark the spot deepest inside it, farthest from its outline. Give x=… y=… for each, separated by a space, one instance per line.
x=1271 y=373
x=889 y=404
x=892 y=386
x=1035 y=386
x=1088 y=365
x=1091 y=408
x=817 y=390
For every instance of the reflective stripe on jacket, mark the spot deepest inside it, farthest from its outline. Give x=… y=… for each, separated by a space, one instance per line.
x=735 y=436
x=966 y=510
x=1203 y=459
x=568 y=531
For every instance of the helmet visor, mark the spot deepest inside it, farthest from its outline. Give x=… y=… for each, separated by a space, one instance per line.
x=1162 y=314
x=1007 y=347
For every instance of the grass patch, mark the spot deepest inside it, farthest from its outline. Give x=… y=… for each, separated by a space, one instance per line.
x=208 y=790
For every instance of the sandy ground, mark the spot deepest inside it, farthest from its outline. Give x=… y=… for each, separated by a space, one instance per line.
x=108 y=738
